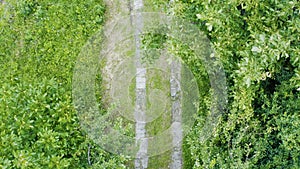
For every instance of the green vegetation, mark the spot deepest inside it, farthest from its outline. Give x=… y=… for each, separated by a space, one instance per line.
x=257 y=42
x=39 y=44
x=152 y=44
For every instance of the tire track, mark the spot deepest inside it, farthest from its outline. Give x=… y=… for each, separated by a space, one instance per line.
x=177 y=133
x=141 y=161
x=132 y=8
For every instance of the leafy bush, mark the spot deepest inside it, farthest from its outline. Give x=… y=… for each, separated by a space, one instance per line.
x=39 y=43
x=258 y=43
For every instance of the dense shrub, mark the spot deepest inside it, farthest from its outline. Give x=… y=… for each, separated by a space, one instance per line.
x=258 y=43
x=39 y=43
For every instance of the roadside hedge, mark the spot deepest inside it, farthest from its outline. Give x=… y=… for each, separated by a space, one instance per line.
x=258 y=43
x=39 y=43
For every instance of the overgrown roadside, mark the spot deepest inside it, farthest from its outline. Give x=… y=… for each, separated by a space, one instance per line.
x=39 y=44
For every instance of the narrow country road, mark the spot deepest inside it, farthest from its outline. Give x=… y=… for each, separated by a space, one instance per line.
x=133 y=8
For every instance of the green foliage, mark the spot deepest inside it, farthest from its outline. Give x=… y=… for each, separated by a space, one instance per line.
x=155 y=5
x=39 y=43
x=152 y=44
x=257 y=42
x=258 y=45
